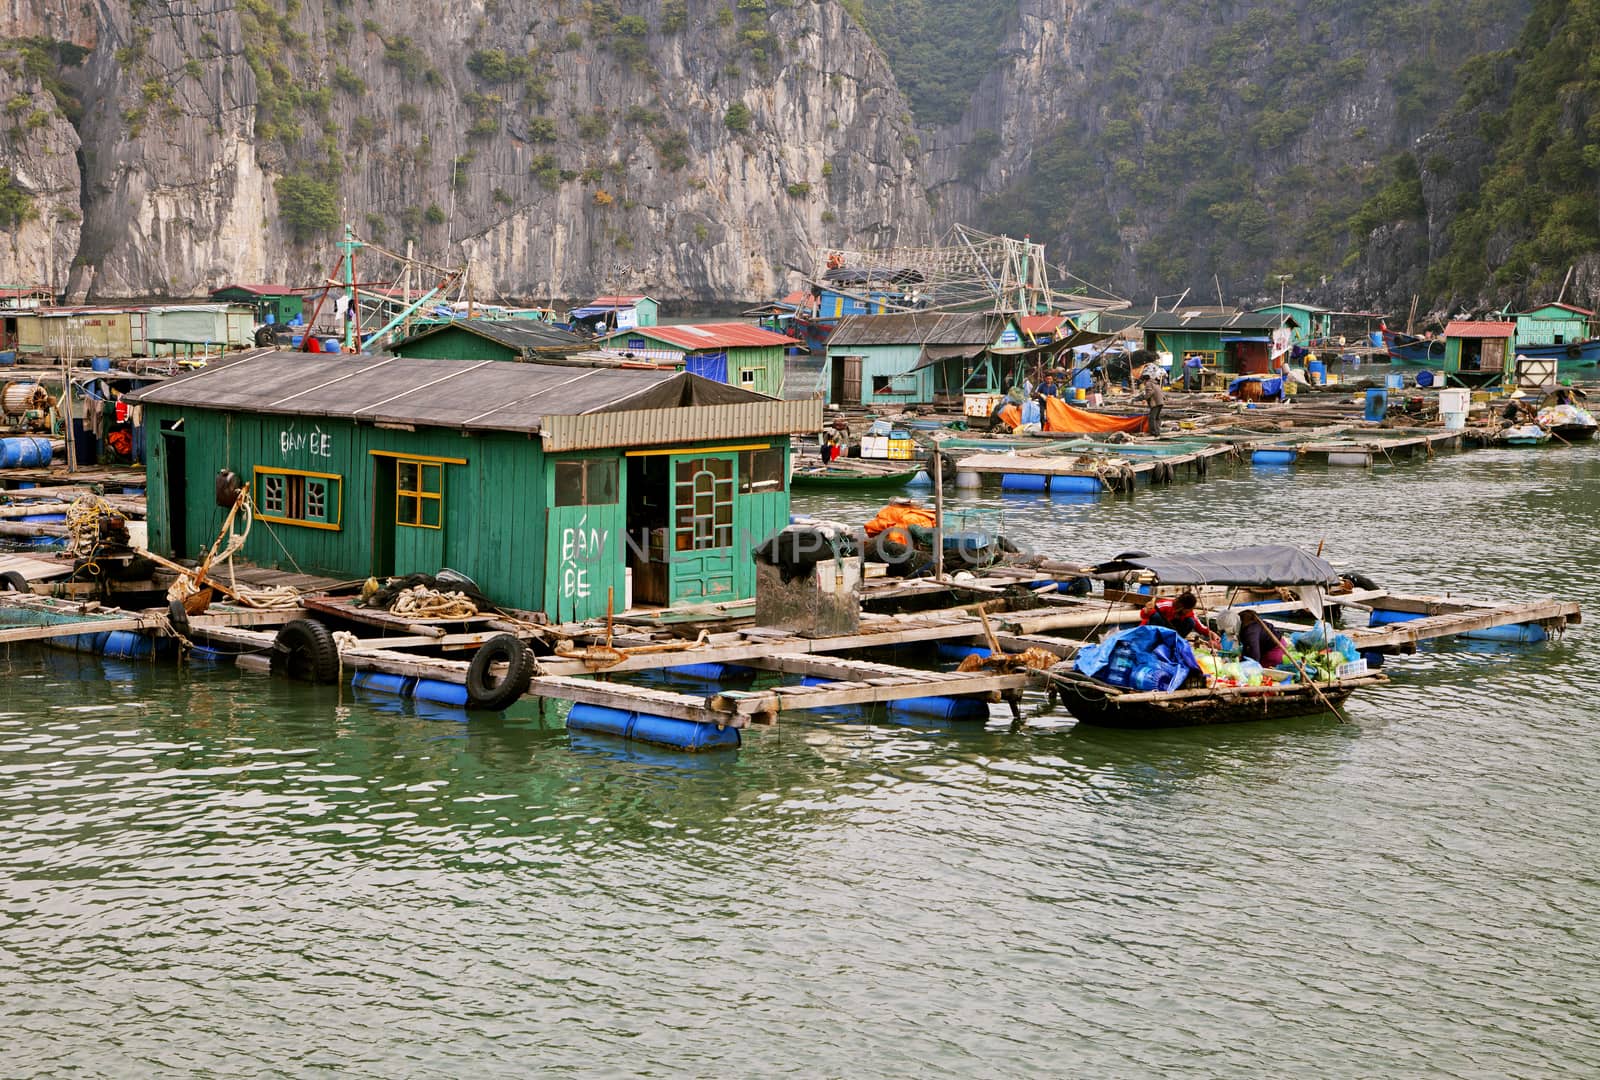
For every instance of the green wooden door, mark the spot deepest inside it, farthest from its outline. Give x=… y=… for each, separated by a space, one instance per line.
x=585 y=548
x=418 y=516
x=703 y=500
x=763 y=509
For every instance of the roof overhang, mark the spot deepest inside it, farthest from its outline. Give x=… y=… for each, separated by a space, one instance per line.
x=666 y=427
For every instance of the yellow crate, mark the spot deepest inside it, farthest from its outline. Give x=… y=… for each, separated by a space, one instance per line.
x=901 y=449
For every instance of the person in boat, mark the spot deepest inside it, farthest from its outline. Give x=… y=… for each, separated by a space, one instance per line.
x=1257 y=641
x=1177 y=613
x=1150 y=391
x=1515 y=411
x=1563 y=396
x=1099 y=382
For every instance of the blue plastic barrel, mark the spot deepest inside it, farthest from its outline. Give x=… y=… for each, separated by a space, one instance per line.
x=1377 y=404
x=331 y=345
x=384 y=683
x=1424 y=378
x=8 y=357
x=1317 y=371
x=1395 y=381
x=647 y=727
x=445 y=693
x=941 y=708
x=1272 y=457
x=100 y=363
x=1076 y=485
x=1082 y=379
x=957 y=653
x=1024 y=482
x=128 y=489
x=127 y=645
x=1389 y=618
x=24 y=452
x=44 y=519
x=713 y=673
x=1516 y=634
x=297 y=340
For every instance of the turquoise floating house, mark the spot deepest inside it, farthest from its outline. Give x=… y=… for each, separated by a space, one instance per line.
x=1478 y=352
x=553 y=487
x=737 y=354
x=1307 y=323
x=920 y=358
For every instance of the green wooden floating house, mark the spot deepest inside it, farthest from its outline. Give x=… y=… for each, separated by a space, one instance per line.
x=1554 y=324
x=491 y=339
x=734 y=353
x=551 y=486
x=279 y=301
x=1479 y=352
x=1232 y=342
x=921 y=358
x=1307 y=323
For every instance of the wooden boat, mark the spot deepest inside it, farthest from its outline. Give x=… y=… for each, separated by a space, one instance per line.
x=1103 y=705
x=1525 y=435
x=1571 y=354
x=1407 y=349
x=856 y=473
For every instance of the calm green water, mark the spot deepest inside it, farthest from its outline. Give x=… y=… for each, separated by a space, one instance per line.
x=214 y=874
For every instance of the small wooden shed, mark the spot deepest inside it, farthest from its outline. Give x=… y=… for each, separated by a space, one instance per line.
x=1478 y=352
x=549 y=485
x=273 y=303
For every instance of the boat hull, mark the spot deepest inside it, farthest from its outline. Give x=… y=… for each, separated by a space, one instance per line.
x=1100 y=705
x=845 y=478
x=1574 y=354
x=1574 y=432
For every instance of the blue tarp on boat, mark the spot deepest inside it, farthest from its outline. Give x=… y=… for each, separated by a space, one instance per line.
x=1141 y=657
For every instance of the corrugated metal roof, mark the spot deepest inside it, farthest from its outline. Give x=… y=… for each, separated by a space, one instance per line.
x=675 y=427
x=259 y=290
x=697 y=336
x=485 y=395
x=1040 y=324
x=1468 y=328
x=1201 y=319
x=615 y=301
x=918 y=328
x=1564 y=307
x=519 y=334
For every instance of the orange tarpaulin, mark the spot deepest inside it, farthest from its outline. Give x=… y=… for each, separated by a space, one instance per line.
x=1059 y=416
x=1011 y=416
x=900 y=514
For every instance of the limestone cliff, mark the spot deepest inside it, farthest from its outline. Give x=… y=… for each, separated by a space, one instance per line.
x=691 y=149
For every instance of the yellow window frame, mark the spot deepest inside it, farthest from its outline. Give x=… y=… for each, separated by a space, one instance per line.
x=335 y=501
x=419 y=495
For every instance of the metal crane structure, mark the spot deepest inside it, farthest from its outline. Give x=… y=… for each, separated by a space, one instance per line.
x=969 y=270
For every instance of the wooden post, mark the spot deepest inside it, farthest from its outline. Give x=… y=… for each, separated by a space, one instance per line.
x=66 y=396
x=938 y=514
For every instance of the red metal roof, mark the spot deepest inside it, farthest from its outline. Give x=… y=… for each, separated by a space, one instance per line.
x=1034 y=325
x=1565 y=307
x=694 y=337
x=615 y=301
x=1464 y=328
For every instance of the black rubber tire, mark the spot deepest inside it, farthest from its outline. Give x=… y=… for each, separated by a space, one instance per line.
x=304 y=651
x=485 y=693
x=178 y=617
x=1361 y=581
x=11 y=581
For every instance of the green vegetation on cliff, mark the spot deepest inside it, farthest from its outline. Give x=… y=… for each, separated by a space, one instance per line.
x=939 y=49
x=1532 y=212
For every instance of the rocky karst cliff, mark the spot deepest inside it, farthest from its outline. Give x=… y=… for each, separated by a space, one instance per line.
x=694 y=149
